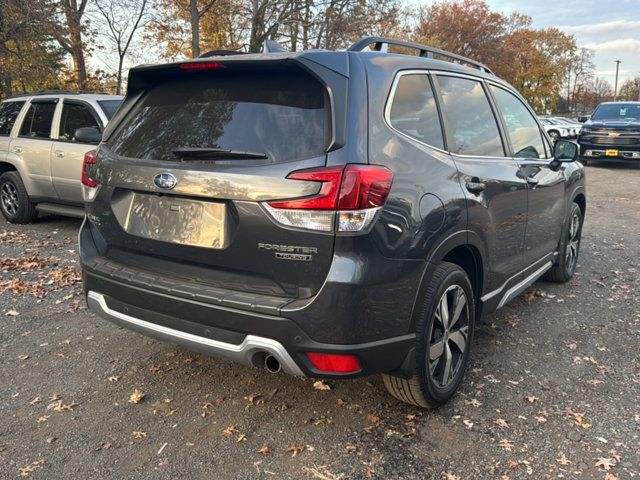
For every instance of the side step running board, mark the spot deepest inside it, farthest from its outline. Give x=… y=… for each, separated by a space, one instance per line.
x=66 y=210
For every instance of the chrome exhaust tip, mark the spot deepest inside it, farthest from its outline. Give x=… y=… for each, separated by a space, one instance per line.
x=272 y=364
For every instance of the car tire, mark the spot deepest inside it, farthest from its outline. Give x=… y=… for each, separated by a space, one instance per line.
x=14 y=201
x=440 y=360
x=565 y=266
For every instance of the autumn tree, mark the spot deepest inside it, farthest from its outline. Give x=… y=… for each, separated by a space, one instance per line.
x=121 y=21
x=68 y=30
x=29 y=60
x=630 y=90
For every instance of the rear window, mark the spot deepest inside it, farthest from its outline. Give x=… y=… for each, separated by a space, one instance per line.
x=281 y=115
x=37 y=122
x=109 y=107
x=8 y=113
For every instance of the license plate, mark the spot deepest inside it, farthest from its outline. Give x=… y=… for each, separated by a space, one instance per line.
x=177 y=220
x=611 y=153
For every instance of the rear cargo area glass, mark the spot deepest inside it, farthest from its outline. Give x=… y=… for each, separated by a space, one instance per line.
x=279 y=114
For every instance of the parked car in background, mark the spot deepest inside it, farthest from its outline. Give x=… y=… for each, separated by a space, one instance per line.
x=354 y=215
x=557 y=128
x=612 y=133
x=40 y=155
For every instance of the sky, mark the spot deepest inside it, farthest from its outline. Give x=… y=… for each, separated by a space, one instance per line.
x=610 y=27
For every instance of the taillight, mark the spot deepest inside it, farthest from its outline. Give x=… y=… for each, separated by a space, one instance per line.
x=89 y=185
x=352 y=192
x=334 y=363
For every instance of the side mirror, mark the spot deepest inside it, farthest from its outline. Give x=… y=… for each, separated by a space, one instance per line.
x=89 y=135
x=565 y=151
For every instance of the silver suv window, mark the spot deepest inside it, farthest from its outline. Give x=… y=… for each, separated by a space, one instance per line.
x=523 y=130
x=75 y=116
x=37 y=122
x=9 y=111
x=414 y=111
x=470 y=120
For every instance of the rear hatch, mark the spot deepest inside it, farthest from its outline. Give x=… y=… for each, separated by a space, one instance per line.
x=197 y=150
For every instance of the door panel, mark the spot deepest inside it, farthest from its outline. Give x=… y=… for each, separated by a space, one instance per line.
x=546 y=186
x=67 y=155
x=496 y=194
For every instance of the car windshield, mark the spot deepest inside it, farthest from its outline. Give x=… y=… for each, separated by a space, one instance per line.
x=617 y=111
x=109 y=107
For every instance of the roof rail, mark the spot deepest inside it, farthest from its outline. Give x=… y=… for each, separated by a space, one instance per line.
x=57 y=92
x=425 y=50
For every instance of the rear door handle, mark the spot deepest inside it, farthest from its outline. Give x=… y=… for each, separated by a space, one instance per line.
x=17 y=149
x=59 y=154
x=476 y=187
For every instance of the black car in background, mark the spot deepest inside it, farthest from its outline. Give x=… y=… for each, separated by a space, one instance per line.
x=612 y=133
x=330 y=214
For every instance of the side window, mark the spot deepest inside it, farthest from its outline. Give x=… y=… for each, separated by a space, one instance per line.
x=522 y=127
x=75 y=116
x=470 y=120
x=414 y=112
x=8 y=113
x=37 y=122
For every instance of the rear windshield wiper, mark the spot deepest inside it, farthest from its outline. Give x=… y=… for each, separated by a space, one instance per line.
x=186 y=153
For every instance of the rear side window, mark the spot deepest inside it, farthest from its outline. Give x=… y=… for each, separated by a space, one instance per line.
x=109 y=107
x=37 y=122
x=75 y=116
x=414 y=111
x=525 y=135
x=470 y=120
x=8 y=113
x=281 y=115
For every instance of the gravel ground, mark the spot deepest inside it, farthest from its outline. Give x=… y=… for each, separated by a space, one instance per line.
x=552 y=392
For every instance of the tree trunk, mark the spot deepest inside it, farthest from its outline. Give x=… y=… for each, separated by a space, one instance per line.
x=119 y=79
x=257 y=27
x=73 y=15
x=195 y=29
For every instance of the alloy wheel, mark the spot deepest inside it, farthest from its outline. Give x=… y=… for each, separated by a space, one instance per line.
x=449 y=335
x=9 y=199
x=573 y=244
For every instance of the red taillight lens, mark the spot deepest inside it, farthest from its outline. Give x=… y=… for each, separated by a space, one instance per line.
x=201 y=66
x=334 y=363
x=364 y=186
x=350 y=187
x=326 y=199
x=89 y=159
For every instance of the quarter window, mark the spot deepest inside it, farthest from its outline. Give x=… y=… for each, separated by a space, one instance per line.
x=414 y=111
x=37 y=122
x=75 y=116
x=523 y=130
x=8 y=113
x=470 y=120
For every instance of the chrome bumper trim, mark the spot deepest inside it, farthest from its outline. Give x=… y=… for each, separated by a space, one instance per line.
x=242 y=353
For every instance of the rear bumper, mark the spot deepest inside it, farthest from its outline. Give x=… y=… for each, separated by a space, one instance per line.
x=238 y=327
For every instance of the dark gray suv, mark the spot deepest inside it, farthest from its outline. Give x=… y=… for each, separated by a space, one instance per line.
x=330 y=214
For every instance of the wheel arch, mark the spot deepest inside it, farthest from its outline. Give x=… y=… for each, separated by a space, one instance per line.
x=7 y=167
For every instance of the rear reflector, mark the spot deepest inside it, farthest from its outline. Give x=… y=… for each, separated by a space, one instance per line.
x=333 y=363
x=201 y=66
x=354 y=192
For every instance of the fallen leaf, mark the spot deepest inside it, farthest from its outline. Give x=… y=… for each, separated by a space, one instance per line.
x=451 y=476
x=531 y=398
x=264 y=449
x=340 y=402
x=563 y=460
x=610 y=476
x=605 y=463
x=23 y=357
x=136 y=396
x=501 y=423
x=139 y=434
x=468 y=423
x=474 y=402
x=241 y=438
x=35 y=401
x=295 y=449
x=43 y=418
x=373 y=419
x=12 y=313
x=114 y=378
x=506 y=444
x=320 y=385
x=229 y=430
x=25 y=471
x=61 y=407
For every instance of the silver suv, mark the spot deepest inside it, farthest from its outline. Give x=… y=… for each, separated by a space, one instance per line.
x=40 y=155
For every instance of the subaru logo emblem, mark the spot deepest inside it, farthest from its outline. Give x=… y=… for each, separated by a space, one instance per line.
x=166 y=181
